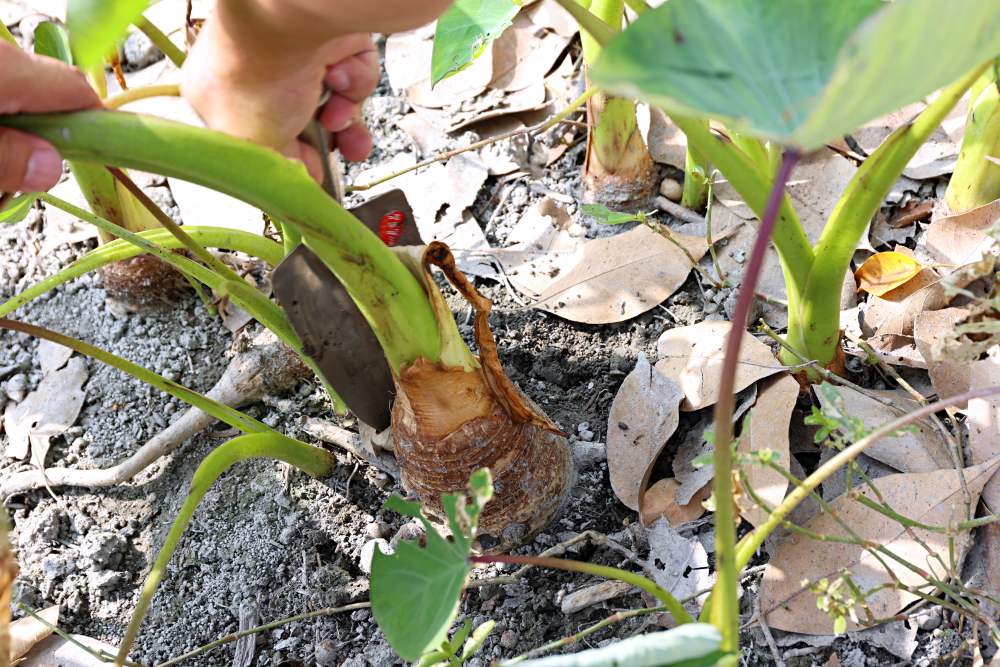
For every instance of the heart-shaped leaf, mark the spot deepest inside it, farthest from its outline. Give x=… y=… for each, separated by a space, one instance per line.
x=464 y=31
x=799 y=72
x=415 y=590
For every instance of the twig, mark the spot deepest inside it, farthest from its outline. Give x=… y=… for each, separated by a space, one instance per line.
x=326 y=611
x=267 y=367
x=574 y=638
x=768 y=637
x=534 y=129
x=679 y=212
x=708 y=229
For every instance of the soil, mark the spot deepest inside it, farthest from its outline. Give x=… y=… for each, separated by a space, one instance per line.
x=268 y=542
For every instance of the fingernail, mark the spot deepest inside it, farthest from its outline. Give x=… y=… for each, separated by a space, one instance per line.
x=339 y=80
x=44 y=169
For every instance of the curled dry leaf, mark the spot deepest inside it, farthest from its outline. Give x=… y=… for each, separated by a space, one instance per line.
x=48 y=411
x=619 y=277
x=984 y=421
x=932 y=498
x=692 y=356
x=962 y=238
x=55 y=650
x=29 y=631
x=660 y=501
x=949 y=377
x=894 y=312
x=643 y=416
x=883 y=272
x=770 y=419
x=678 y=564
x=917 y=450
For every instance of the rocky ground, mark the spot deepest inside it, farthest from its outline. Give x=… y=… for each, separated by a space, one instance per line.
x=268 y=543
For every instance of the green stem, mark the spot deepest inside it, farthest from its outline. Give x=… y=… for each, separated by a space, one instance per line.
x=696 y=169
x=267 y=627
x=119 y=249
x=817 y=333
x=223 y=413
x=753 y=185
x=312 y=460
x=976 y=179
x=249 y=298
x=389 y=296
x=725 y=614
x=675 y=608
x=591 y=25
x=162 y=42
x=638 y=6
x=749 y=544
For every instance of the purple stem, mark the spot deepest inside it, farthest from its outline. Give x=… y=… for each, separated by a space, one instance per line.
x=727 y=613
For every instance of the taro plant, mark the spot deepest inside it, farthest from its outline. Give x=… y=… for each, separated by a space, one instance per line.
x=143 y=279
x=618 y=170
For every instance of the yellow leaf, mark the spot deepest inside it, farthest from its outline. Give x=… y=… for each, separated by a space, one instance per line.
x=885 y=271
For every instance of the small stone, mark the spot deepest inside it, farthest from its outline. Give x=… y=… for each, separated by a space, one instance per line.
x=140 y=51
x=582 y=426
x=368 y=553
x=360 y=615
x=376 y=529
x=671 y=189
x=586 y=436
x=326 y=653
x=929 y=619
x=711 y=307
x=588 y=454
x=17 y=387
x=740 y=256
x=576 y=230
x=103 y=549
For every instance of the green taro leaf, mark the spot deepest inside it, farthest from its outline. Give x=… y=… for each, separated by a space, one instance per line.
x=415 y=591
x=52 y=40
x=801 y=72
x=465 y=30
x=690 y=645
x=96 y=25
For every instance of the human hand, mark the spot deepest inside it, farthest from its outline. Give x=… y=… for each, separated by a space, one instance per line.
x=35 y=84
x=270 y=97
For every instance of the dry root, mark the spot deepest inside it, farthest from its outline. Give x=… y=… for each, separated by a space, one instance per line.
x=263 y=366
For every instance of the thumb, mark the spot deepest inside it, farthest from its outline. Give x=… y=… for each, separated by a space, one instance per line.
x=27 y=163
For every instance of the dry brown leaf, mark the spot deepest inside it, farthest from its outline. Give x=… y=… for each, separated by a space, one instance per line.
x=932 y=498
x=919 y=450
x=770 y=419
x=678 y=564
x=883 y=272
x=55 y=650
x=894 y=312
x=815 y=190
x=949 y=377
x=660 y=500
x=665 y=141
x=52 y=356
x=643 y=416
x=937 y=156
x=521 y=56
x=984 y=421
x=550 y=15
x=28 y=631
x=619 y=277
x=46 y=412
x=960 y=239
x=691 y=356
